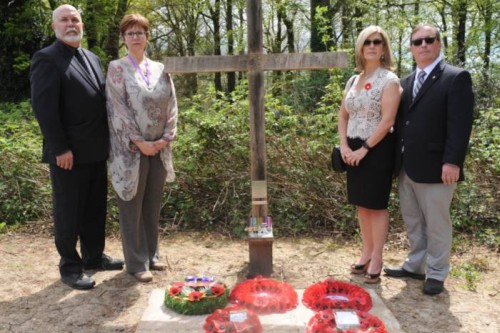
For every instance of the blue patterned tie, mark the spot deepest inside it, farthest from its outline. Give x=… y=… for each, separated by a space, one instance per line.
x=420 y=81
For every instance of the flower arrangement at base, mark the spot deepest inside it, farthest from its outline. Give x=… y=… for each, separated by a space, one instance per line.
x=196 y=295
x=264 y=296
x=232 y=319
x=333 y=294
x=324 y=322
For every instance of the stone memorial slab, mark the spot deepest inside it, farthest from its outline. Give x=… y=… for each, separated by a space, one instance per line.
x=157 y=318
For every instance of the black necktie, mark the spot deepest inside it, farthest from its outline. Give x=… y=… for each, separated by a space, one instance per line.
x=83 y=61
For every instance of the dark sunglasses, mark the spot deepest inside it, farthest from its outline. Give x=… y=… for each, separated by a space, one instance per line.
x=419 y=41
x=374 y=42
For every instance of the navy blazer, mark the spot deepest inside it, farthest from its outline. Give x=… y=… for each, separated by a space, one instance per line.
x=69 y=106
x=434 y=128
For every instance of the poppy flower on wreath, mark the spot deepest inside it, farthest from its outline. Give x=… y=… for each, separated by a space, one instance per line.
x=174 y=291
x=217 y=290
x=225 y=321
x=334 y=294
x=264 y=296
x=196 y=296
x=324 y=322
x=368 y=86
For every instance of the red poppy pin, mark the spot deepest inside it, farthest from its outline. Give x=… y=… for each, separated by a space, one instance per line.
x=368 y=86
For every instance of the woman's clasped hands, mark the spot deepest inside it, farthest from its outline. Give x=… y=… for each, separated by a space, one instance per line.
x=151 y=148
x=352 y=158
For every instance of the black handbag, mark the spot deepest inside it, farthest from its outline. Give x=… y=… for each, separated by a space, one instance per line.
x=338 y=163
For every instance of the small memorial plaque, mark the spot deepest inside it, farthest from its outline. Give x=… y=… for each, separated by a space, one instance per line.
x=260 y=227
x=238 y=316
x=346 y=319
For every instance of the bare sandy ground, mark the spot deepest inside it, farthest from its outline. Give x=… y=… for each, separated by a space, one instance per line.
x=32 y=298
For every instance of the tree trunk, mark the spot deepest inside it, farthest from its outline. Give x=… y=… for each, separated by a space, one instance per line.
x=416 y=11
x=113 y=40
x=317 y=45
x=487 y=13
x=241 y=15
x=288 y=22
x=461 y=14
x=358 y=13
x=444 y=26
x=278 y=38
x=231 y=76
x=346 y=23
x=215 y=13
x=91 y=25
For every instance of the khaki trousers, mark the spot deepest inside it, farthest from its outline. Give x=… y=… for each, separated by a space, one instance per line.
x=426 y=212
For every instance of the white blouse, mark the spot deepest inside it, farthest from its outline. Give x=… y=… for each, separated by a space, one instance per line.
x=364 y=106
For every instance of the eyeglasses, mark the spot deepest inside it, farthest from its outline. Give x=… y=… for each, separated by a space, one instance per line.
x=374 y=42
x=131 y=34
x=427 y=40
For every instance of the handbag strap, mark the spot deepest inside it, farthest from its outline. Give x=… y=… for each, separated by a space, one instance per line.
x=350 y=83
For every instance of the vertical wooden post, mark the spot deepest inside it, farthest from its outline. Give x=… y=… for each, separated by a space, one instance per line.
x=255 y=63
x=261 y=255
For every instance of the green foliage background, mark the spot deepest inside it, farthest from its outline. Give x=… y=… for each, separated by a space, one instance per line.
x=212 y=191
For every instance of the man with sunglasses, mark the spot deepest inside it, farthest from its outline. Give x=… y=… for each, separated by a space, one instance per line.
x=434 y=124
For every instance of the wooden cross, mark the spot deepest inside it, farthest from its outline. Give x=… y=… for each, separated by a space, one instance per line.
x=255 y=63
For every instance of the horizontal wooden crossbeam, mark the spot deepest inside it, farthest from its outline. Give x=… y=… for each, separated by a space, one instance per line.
x=243 y=63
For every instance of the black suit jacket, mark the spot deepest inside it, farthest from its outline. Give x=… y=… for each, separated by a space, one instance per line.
x=69 y=106
x=434 y=128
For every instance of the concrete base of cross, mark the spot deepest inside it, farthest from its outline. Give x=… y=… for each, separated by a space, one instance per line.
x=158 y=319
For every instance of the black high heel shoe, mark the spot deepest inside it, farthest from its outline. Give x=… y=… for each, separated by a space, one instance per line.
x=373 y=278
x=359 y=269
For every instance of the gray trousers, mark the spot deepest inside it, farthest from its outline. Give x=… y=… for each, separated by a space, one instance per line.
x=139 y=217
x=426 y=212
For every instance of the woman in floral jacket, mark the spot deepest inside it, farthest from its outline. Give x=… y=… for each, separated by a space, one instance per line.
x=142 y=110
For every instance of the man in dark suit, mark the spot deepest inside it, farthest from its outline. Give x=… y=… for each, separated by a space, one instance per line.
x=434 y=125
x=68 y=99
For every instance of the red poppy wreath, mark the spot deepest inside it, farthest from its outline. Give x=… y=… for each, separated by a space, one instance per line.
x=264 y=296
x=333 y=294
x=324 y=322
x=196 y=295
x=232 y=319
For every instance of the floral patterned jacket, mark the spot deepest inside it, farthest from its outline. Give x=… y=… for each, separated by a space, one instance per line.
x=138 y=112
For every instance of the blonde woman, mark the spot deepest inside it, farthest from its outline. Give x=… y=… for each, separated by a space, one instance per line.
x=142 y=111
x=366 y=117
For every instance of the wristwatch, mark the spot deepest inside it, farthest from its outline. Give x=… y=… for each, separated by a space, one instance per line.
x=365 y=145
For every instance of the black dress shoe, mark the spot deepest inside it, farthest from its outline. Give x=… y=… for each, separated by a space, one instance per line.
x=401 y=272
x=433 y=287
x=107 y=263
x=79 y=281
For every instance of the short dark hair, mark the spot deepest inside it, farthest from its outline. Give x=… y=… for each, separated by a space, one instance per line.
x=424 y=25
x=131 y=20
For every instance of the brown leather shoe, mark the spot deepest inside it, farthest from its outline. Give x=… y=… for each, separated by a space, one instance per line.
x=157 y=266
x=145 y=276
